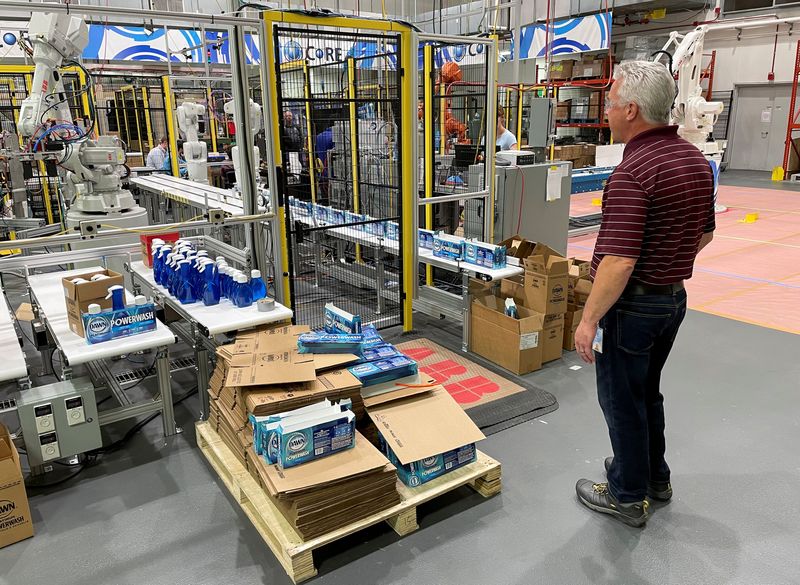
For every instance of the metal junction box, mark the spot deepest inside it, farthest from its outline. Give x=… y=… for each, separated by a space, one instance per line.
x=59 y=420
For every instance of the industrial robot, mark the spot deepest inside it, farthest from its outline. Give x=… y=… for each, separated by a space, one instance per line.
x=195 y=151
x=257 y=124
x=91 y=164
x=694 y=116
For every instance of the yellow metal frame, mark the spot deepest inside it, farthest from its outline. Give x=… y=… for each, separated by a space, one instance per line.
x=427 y=72
x=169 y=114
x=519 y=114
x=351 y=95
x=148 y=125
x=132 y=89
x=312 y=156
x=212 y=121
x=408 y=101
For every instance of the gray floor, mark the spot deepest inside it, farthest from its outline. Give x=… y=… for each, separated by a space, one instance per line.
x=156 y=515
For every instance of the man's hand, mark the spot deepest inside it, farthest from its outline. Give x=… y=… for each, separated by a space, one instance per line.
x=584 y=337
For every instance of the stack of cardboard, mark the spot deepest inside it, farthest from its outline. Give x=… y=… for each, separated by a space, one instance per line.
x=581 y=154
x=589 y=66
x=561 y=70
x=578 y=291
x=325 y=494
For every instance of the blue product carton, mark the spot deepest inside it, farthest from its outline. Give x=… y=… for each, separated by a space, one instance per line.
x=384 y=370
x=125 y=322
x=304 y=439
x=392 y=231
x=426 y=239
x=419 y=472
x=381 y=351
x=351 y=217
x=322 y=213
x=483 y=254
x=337 y=216
x=450 y=247
x=323 y=342
x=371 y=336
x=340 y=321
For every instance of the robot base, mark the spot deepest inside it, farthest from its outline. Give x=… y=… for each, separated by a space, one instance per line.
x=134 y=217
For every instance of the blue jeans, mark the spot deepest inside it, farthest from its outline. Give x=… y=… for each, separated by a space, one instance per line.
x=638 y=333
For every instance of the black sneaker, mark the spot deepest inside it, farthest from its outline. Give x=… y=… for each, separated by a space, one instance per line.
x=597 y=497
x=661 y=491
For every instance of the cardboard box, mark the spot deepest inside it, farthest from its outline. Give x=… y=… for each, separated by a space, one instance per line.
x=561 y=70
x=562 y=110
x=269 y=357
x=583 y=288
x=78 y=297
x=518 y=247
x=511 y=343
x=427 y=434
x=594 y=98
x=588 y=69
x=552 y=338
x=594 y=112
x=15 y=514
x=572 y=319
x=146 y=241
x=578 y=269
x=546 y=281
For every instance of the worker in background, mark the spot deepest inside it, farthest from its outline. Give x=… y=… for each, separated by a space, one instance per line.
x=157 y=155
x=291 y=134
x=658 y=213
x=184 y=172
x=505 y=139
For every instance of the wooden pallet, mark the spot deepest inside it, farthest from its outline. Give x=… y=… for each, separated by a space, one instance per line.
x=289 y=548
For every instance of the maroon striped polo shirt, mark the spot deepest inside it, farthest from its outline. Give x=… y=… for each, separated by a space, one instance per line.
x=656 y=206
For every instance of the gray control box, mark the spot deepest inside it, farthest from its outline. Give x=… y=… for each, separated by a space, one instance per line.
x=59 y=420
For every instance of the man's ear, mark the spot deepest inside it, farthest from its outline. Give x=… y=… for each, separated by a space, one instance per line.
x=632 y=111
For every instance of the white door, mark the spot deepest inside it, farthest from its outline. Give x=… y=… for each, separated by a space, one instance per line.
x=759 y=130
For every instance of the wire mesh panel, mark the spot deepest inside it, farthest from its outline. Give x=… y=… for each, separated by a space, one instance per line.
x=339 y=115
x=452 y=121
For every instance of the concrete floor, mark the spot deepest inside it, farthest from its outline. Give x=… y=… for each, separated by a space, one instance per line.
x=156 y=515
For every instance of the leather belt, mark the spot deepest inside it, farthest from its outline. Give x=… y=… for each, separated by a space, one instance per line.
x=637 y=289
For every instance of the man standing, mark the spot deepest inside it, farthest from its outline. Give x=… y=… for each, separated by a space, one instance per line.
x=292 y=137
x=157 y=156
x=658 y=213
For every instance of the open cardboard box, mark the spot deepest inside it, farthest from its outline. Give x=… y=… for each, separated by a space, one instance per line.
x=552 y=325
x=425 y=433
x=572 y=319
x=546 y=280
x=15 y=514
x=514 y=344
x=78 y=297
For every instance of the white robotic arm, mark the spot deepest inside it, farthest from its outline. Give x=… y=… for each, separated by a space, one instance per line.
x=194 y=150
x=91 y=164
x=694 y=116
x=256 y=123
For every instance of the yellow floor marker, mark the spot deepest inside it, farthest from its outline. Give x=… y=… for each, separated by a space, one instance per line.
x=597 y=201
x=749 y=218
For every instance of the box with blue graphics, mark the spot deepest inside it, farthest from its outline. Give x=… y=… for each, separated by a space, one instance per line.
x=384 y=370
x=447 y=246
x=125 y=322
x=418 y=472
x=322 y=342
x=340 y=321
x=301 y=439
x=483 y=254
x=426 y=239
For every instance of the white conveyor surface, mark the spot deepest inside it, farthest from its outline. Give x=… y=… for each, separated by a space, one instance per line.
x=425 y=255
x=190 y=192
x=49 y=294
x=220 y=318
x=14 y=366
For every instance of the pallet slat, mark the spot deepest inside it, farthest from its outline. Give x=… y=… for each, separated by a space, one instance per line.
x=294 y=554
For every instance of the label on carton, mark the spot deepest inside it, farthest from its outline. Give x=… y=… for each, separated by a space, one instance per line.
x=529 y=340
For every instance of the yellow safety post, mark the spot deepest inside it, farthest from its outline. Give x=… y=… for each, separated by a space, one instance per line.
x=351 y=95
x=135 y=115
x=170 y=115
x=408 y=105
x=85 y=98
x=312 y=156
x=124 y=116
x=427 y=73
x=553 y=144
x=147 y=124
x=212 y=120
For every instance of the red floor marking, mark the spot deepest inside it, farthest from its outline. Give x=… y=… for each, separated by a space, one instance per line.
x=418 y=353
x=444 y=370
x=471 y=389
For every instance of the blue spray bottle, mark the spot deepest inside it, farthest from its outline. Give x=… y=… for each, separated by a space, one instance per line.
x=242 y=295
x=172 y=276
x=117 y=295
x=258 y=289
x=211 y=292
x=184 y=290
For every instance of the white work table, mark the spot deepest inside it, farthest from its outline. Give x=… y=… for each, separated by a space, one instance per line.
x=49 y=295
x=14 y=366
x=191 y=193
x=216 y=319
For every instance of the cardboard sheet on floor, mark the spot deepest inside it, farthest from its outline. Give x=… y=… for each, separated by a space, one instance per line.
x=408 y=386
x=424 y=425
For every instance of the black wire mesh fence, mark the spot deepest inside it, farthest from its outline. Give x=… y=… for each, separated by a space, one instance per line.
x=339 y=115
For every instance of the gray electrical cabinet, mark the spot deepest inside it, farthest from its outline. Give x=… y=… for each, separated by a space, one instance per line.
x=541 y=122
x=59 y=420
x=522 y=202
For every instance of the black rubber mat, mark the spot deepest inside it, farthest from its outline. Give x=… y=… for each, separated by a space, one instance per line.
x=496 y=415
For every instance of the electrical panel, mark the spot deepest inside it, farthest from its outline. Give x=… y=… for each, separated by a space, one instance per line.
x=541 y=122
x=59 y=420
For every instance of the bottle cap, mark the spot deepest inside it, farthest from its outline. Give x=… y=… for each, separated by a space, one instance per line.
x=221 y=259
x=94 y=309
x=140 y=300
x=255 y=274
x=203 y=253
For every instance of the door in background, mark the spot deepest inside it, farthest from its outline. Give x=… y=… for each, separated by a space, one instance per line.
x=759 y=131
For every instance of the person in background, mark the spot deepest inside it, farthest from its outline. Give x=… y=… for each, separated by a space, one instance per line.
x=292 y=137
x=184 y=172
x=505 y=139
x=658 y=213
x=157 y=155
